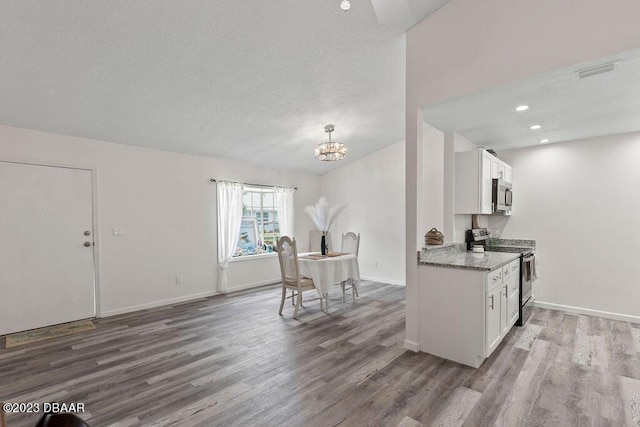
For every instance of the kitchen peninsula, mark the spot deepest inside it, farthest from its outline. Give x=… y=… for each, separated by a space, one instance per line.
x=469 y=301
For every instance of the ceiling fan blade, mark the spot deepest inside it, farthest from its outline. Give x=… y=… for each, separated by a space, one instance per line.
x=390 y=11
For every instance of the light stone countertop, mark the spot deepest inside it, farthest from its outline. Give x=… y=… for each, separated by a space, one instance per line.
x=463 y=259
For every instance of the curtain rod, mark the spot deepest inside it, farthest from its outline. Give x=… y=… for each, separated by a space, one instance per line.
x=254 y=185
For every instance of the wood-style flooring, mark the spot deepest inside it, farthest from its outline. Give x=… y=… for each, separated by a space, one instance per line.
x=233 y=361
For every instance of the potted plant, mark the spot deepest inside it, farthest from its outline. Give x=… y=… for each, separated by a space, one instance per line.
x=322 y=216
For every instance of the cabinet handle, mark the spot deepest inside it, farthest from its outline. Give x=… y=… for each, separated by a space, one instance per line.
x=506 y=290
x=491 y=306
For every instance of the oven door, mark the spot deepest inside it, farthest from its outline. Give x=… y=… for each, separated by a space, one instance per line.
x=527 y=276
x=526 y=288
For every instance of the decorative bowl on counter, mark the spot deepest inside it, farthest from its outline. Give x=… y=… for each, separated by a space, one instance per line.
x=434 y=237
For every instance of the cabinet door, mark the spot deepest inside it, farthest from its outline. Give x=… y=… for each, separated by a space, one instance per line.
x=504 y=314
x=493 y=321
x=486 y=184
x=513 y=309
x=495 y=168
x=508 y=174
x=514 y=283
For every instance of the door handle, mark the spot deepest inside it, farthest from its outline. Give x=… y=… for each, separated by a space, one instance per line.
x=87 y=244
x=491 y=307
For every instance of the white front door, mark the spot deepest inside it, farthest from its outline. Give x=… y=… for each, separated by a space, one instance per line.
x=46 y=271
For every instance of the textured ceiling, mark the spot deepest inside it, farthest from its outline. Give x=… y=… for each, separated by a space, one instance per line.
x=567 y=108
x=255 y=80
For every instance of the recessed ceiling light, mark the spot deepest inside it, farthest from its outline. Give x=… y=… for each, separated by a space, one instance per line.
x=535 y=127
x=522 y=108
x=345 y=5
x=544 y=141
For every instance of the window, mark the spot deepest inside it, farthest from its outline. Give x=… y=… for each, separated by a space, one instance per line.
x=259 y=205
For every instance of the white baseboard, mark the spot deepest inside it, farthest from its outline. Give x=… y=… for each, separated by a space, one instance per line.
x=176 y=300
x=587 y=311
x=412 y=345
x=254 y=285
x=155 y=304
x=380 y=280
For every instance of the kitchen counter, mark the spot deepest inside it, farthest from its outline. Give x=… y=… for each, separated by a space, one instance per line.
x=463 y=259
x=518 y=243
x=455 y=255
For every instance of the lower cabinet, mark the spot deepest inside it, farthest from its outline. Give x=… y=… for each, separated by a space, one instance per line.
x=465 y=314
x=502 y=303
x=494 y=322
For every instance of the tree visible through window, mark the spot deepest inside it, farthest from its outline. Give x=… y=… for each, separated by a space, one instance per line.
x=259 y=203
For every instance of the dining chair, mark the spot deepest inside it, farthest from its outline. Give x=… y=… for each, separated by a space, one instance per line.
x=351 y=245
x=315 y=237
x=290 y=271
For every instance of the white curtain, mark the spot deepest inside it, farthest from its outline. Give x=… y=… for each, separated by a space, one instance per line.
x=229 y=220
x=285 y=209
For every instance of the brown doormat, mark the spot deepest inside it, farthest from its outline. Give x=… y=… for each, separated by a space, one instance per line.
x=49 y=332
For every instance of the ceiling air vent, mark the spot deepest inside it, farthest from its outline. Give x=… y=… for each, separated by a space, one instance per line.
x=598 y=69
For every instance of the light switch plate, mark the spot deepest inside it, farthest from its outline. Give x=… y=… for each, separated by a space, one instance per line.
x=118 y=232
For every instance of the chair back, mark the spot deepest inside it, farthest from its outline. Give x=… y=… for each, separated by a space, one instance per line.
x=351 y=243
x=288 y=257
x=315 y=238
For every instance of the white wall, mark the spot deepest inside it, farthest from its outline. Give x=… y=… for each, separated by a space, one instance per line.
x=166 y=205
x=373 y=190
x=468 y=46
x=433 y=185
x=580 y=201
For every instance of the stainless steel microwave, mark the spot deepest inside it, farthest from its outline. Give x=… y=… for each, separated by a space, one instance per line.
x=502 y=196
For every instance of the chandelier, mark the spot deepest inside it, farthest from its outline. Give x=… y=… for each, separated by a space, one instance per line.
x=330 y=150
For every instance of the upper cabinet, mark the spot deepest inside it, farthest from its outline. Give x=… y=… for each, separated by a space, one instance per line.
x=500 y=169
x=474 y=174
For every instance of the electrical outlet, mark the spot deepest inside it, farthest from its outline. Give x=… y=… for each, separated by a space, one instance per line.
x=179 y=279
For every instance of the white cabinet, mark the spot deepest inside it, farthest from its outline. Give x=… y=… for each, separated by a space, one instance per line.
x=474 y=172
x=502 y=300
x=508 y=174
x=473 y=179
x=500 y=169
x=465 y=314
x=511 y=284
x=513 y=309
x=494 y=319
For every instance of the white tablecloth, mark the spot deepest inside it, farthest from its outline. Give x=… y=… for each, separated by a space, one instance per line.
x=329 y=271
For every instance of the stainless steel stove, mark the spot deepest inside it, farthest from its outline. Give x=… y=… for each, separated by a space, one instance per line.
x=480 y=236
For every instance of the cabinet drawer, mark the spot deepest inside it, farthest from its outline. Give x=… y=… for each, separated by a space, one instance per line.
x=506 y=273
x=510 y=269
x=494 y=278
x=515 y=267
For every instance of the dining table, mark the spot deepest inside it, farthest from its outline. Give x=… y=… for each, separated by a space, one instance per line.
x=328 y=270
